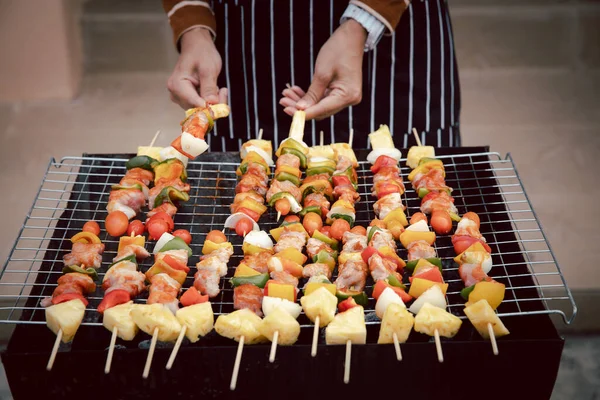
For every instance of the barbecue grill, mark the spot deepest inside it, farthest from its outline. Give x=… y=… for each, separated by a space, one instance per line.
x=76 y=189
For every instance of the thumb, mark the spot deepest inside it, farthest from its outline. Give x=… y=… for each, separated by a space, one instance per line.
x=315 y=92
x=208 y=88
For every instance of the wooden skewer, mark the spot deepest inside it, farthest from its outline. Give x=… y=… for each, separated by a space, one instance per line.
x=493 y=338
x=313 y=350
x=154 y=138
x=321 y=138
x=150 y=353
x=176 y=348
x=54 y=350
x=236 y=364
x=287 y=85
x=278 y=215
x=351 y=138
x=260 y=133
x=273 y=347
x=397 y=347
x=347 y=363
x=111 y=349
x=417 y=137
x=438 y=346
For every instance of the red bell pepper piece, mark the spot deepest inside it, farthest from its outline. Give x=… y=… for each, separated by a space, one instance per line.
x=368 y=252
x=431 y=274
x=114 y=298
x=176 y=264
x=61 y=298
x=387 y=188
x=252 y=214
x=347 y=304
x=340 y=180
x=192 y=296
x=463 y=242
x=380 y=287
x=382 y=161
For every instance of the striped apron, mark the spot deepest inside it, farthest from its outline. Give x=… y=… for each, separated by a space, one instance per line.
x=409 y=81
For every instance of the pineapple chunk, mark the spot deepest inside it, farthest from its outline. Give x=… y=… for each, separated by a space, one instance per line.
x=481 y=314
x=349 y=325
x=150 y=316
x=431 y=318
x=344 y=149
x=396 y=319
x=198 y=318
x=219 y=110
x=153 y=152
x=321 y=151
x=381 y=138
x=240 y=323
x=66 y=316
x=415 y=153
x=320 y=303
x=281 y=321
x=120 y=317
x=297 y=127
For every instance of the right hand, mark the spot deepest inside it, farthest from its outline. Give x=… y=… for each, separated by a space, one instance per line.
x=193 y=82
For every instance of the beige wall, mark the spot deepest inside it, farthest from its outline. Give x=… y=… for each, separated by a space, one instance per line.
x=40 y=49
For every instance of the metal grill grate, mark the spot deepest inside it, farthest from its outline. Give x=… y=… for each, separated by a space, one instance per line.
x=76 y=189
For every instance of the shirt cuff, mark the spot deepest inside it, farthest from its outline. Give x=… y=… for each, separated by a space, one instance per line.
x=187 y=15
x=371 y=24
x=388 y=12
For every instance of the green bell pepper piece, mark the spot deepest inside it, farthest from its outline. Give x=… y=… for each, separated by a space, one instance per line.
x=422 y=192
x=455 y=217
x=466 y=292
x=297 y=153
x=285 y=176
x=325 y=257
x=372 y=232
x=256 y=280
x=176 y=244
x=130 y=258
x=319 y=170
x=168 y=195
x=392 y=280
x=136 y=186
x=91 y=272
x=410 y=265
x=343 y=216
x=163 y=167
x=360 y=298
x=325 y=239
x=144 y=162
x=426 y=160
x=306 y=210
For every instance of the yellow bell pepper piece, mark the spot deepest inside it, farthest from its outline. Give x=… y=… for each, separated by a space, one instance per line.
x=314 y=286
x=407 y=237
x=86 y=237
x=210 y=246
x=244 y=270
x=345 y=256
x=492 y=291
x=253 y=205
x=292 y=254
x=396 y=215
x=250 y=249
x=421 y=264
x=297 y=227
x=426 y=167
x=475 y=247
x=282 y=290
x=127 y=240
x=418 y=286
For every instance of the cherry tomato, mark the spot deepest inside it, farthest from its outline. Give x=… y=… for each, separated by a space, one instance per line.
x=292 y=218
x=283 y=206
x=92 y=227
x=338 y=228
x=165 y=217
x=377 y=222
x=359 y=230
x=116 y=223
x=441 y=222
x=136 y=227
x=311 y=222
x=419 y=216
x=184 y=235
x=244 y=226
x=156 y=227
x=216 y=236
x=473 y=217
x=326 y=230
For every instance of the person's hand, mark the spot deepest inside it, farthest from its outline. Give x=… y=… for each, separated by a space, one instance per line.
x=196 y=72
x=337 y=82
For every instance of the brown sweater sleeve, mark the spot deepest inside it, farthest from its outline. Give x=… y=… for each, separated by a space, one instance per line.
x=185 y=15
x=387 y=11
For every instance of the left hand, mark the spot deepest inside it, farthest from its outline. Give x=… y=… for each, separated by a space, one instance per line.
x=337 y=82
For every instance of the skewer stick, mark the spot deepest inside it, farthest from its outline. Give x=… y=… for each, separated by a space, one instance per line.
x=438 y=346
x=111 y=349
x=351 y=138
x=313 y=350
x=321 y=138
x=273 y=347
x=417 y=137
x=236 y=364
x=493 y=338
x=347 y=363
x=260 y=133
x=54 y=350
x=397 y=347
x=150 y=353
x=176 y=348
x=156 y=135
x=287 y=85
x=278 y=215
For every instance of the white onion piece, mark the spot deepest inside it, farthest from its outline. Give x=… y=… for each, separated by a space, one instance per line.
x=393 y=153
x=164 y=239
x=387 y=297
x=193 y=145
x=233 y=219
x=342 y=211
x=269 y=304
x=171 y=152
x=114 y=206
x=433 y=296
x=318 y=159
x=265 y=156
x=295 y=207
x=259 y=239
x=420 y=226
x=297 y=140
x=486 y=265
